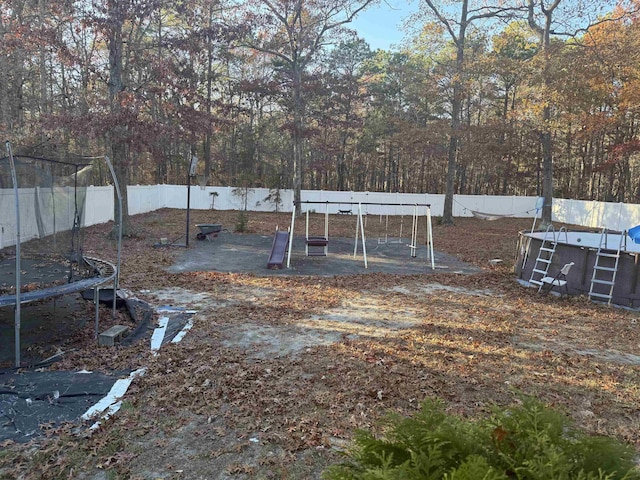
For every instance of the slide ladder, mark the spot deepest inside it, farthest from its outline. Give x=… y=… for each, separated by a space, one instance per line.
x=605 y=268
x=545 y=256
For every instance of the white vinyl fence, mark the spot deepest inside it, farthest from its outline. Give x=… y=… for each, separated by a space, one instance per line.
x=43 y=211
x=261 y=200
x=147 y=198
x=592 y=214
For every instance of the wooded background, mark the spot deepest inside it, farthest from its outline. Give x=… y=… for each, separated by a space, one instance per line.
x=263 y=91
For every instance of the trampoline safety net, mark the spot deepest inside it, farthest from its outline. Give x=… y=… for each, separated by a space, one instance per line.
x=51 y=196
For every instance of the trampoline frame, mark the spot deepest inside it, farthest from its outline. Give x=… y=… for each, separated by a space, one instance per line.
x=106 y=274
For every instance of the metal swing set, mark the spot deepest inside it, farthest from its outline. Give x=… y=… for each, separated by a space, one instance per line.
x=385 y=239
x=318 y=245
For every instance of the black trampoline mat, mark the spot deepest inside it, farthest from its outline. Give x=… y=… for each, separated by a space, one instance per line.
x=45 y=326
x=34 y=273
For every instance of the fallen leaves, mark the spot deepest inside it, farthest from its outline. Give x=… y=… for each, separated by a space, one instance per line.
x=473 y=342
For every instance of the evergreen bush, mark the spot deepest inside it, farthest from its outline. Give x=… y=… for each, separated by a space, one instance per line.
x=525 y=442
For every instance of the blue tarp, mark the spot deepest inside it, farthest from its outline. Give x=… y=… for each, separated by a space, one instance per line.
x=634 y=233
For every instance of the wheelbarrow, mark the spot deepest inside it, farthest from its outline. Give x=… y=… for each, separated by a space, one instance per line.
x=208 y=231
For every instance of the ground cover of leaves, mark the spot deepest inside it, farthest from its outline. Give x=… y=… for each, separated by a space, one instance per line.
x=277 y=373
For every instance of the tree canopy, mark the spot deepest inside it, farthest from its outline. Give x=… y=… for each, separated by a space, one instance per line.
x=283 y=94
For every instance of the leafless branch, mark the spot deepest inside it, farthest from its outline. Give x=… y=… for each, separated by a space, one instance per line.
x=575 y=33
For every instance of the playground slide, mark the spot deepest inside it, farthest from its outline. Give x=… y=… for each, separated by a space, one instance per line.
x=278 y=250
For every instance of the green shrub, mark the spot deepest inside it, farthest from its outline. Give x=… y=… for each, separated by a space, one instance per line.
x=241 y=222
x=526 y=442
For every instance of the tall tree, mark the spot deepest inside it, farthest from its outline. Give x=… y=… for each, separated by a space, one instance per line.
x=294 y=31
x=116 y=136
x=544 y=30
x=468 y=12
x=343 y=79
x=155 y=78
x=542 y=19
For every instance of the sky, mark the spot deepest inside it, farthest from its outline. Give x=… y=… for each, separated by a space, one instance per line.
x=381 y=24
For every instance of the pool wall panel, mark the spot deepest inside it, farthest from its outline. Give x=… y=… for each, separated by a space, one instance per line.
x=625 y=292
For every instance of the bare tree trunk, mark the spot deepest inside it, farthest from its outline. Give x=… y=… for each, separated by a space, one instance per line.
x=43 y=64
x=297 y=138
x=459 y=40
x=207 y=138
x=4 y=82
x=545 y=135
x=116 y=137
x=546 y=140
x=456 y=105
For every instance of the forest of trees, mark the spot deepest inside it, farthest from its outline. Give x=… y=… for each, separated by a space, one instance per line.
x=281 y=93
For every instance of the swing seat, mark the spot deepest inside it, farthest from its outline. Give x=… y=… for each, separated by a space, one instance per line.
x=317 y=241
x=317 y=246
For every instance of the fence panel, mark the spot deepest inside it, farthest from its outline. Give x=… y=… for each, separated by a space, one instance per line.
x=592 y=214
x=146 y=198
x=99 y=206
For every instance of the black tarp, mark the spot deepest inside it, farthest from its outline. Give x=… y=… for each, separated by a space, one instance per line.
x=30 y=399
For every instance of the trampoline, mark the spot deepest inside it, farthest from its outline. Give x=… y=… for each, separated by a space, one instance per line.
x=588 y=250
x=42 y=205
x=104 y=272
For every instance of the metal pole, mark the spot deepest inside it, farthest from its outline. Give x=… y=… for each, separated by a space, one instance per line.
x=188 y=208
x=293 y=221
x=96 y=306
x=326 y=228
x=311 y=202
x=364 y=246
x=17 y=312
x=414 y=233
x=355 y=243
x=193 y=165
x=535 y=218
x=430 y=239
x=116 y=279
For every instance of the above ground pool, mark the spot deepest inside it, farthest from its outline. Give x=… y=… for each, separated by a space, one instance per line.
x=581 y=248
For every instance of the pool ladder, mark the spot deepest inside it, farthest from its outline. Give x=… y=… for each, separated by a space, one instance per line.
x=606 y=267
x=545 y=254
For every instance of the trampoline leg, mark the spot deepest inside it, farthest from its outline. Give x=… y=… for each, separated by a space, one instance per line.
x=96 y=296
x=113 y=305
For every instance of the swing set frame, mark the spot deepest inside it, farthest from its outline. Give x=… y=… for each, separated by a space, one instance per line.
x=323 y=241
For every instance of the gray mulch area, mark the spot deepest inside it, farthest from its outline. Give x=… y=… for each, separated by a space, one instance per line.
x=234 y=253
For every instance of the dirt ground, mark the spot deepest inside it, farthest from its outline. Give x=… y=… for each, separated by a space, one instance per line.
x=279 y=371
